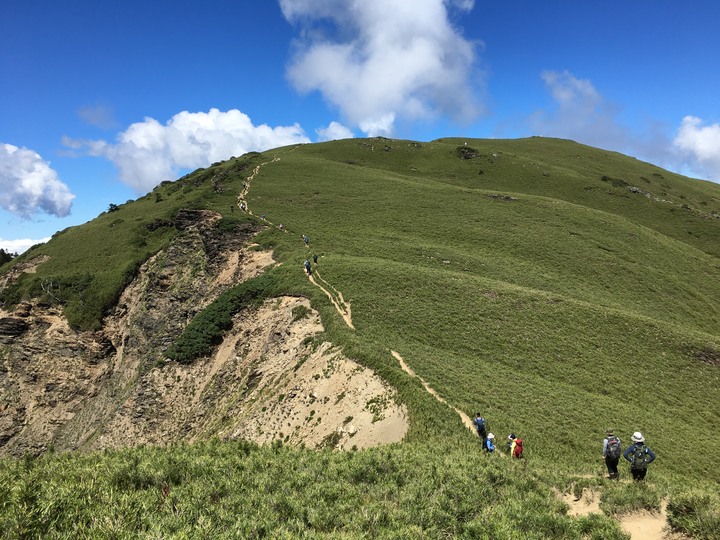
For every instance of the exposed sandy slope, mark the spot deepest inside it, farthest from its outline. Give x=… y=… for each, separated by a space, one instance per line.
x=266 y=381
x=272 y=377
x=323 y=399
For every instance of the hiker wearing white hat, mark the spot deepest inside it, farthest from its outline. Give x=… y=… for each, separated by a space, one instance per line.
x=639 y=456
x=490 y=443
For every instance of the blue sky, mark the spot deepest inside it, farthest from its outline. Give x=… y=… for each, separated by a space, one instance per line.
x=101 y=101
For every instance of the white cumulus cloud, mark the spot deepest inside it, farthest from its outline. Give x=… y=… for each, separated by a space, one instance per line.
x=148 y=152
x=379 y=62
x=29 y=185
x=700 y=146
x=333 y=132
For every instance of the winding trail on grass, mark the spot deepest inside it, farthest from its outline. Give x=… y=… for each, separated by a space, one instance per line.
x=335 y=296
x=241 y=199
x=342 y=307
x=407 y=369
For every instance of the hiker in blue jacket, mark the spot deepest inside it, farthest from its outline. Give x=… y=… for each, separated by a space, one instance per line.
x=489 y=443
x=611 y=453
x=639 y=456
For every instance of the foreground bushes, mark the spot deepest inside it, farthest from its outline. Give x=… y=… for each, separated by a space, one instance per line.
x=240 y=490
x=696 y=514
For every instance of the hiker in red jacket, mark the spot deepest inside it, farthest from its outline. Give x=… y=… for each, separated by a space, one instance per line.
x=517 y=448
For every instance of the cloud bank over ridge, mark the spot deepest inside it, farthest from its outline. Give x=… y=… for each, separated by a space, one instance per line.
x=148 y=152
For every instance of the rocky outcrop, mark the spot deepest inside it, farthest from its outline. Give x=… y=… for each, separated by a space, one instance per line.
x=59 y=386
x=10 y=328
x=64 y=389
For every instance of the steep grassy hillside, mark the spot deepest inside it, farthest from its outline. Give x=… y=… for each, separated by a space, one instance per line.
x=557 y=288
x=538 y=292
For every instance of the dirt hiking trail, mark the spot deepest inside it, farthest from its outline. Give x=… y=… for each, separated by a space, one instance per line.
x=342 y=307
x=335 y=296
x=642 y=525
x=464 y=417
x=649 y=525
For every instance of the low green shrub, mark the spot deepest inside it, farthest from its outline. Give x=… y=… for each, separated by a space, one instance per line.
x=625 y=498
x=696 y=514
x=205 y=331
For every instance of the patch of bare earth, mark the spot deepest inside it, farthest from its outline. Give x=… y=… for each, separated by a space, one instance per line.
x=267 y=381
x=649 y=525
x=587 y=503
x=26 y=267
x=639 y=525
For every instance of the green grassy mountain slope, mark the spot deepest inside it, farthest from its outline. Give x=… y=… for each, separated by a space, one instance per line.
x=558 y=311
x=557 y=288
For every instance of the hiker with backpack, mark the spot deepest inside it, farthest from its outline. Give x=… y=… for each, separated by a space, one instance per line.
x=308 y=269
x=516 y=450
x=489 y=445
x=510 y=443
x=639 y=456
x=481 y=427
x=611 y=453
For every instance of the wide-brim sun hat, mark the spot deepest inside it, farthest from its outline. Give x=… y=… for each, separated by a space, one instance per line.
x=637 y=437
x=491 y=436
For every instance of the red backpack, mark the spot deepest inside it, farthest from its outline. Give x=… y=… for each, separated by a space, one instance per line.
x=517 y=452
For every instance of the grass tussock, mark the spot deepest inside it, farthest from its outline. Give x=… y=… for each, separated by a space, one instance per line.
x=695 y=513
x=239 y=490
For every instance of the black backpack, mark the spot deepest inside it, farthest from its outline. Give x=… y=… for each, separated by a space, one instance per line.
x=639 y=457
x=613 y=447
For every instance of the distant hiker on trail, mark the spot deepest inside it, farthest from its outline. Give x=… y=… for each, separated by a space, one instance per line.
x=315 y=258
x=611 y=452
x=281 y=227
x=517 y=448
x=481 y=427
x=307 y=267
x=263 y=216
x=489 y=444
x=511 y=443
x=306 y=239
x=639 y=456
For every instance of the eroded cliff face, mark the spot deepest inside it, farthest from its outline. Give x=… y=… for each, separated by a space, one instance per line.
x=271 y=378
